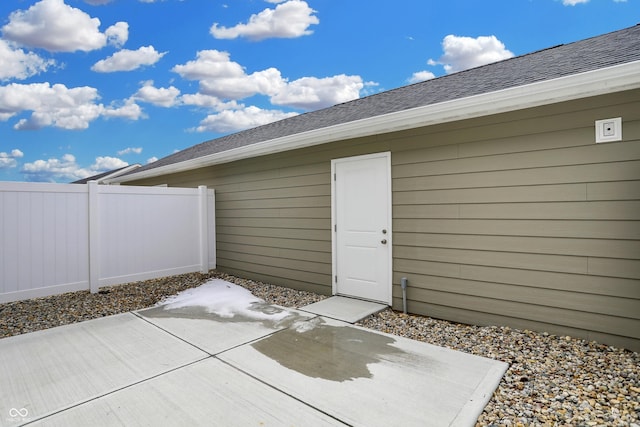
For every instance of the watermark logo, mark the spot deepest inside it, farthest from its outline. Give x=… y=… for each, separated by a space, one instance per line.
x=22 y=412
x=18 y=414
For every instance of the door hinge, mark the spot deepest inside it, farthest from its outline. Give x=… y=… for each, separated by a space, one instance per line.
x=334 y=176
x=335 y=228
x=336 y=279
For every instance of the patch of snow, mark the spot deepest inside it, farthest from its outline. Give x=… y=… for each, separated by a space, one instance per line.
x=224 y=299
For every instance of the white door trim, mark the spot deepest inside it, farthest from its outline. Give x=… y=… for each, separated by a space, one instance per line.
x=389 y=236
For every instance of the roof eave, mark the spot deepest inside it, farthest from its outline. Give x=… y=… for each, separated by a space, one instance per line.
x=119 y=172
x=583 y=85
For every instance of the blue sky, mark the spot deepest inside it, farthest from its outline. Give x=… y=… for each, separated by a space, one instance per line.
x=91 y=85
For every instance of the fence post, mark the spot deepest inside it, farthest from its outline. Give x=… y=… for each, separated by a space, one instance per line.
x=204 y=229
x=94 y=237
x=212 y=229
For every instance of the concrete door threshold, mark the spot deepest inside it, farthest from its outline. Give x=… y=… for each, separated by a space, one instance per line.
x=346 y=309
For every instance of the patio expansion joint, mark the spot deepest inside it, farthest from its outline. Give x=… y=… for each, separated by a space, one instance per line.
x=279 y=390
x=115 y=390
x=236 y=368
x=173 y=335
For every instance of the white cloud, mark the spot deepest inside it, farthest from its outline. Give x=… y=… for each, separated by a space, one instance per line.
x=265 y=82
x=128 y=60
x=129 y=110
x=163 y=97
x=288 y=20
x=67 y=169
x=224 y=79
x=210 y=64
x=152 y=159
x=18 y=64
x=129 y=150
x=209 y=101
x=106 y=163
x=57 y=27
x=574 y=2
x=58 y=106
x=97 y=2
x=52 y=169
x=235 y=120
x=421 y=76
x=462 y=53
x=310 y=93
x=117 y=34
x=9 y=160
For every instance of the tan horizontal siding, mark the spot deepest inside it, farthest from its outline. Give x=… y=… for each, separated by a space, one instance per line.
x=589 y=154
x=539 y=313
x=604 y=248
x=273 y=260
x=622 y=230
x=560 y=299
x=265 y=276
x=525 y=261
x=285 y=233
x=615 y=268
x=281 y=271
x=301 y=244
x=272 y=222
x=274 y=183
x=625 y=190
x=543 y=193
x=608 y=286
x=276 y=193
x=575 y=211
x=284 y=202
x=536 y=226
x=616 y=171
x=275 y=250
x=306 y=212
x=296 y=223
x=471 y=316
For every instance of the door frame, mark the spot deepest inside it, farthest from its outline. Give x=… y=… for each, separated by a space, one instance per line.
x=334 y=243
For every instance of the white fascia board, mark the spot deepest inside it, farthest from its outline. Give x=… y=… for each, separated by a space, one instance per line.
x=592 y=83
x=119 y=172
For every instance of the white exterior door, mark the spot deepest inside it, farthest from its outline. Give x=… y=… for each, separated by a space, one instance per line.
x=361 y=198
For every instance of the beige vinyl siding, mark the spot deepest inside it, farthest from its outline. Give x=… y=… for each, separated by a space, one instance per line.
x=538 y=231
x=516 y=219
x=272 y=225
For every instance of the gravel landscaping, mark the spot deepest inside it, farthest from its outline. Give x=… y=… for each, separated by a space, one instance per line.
x=552 y=380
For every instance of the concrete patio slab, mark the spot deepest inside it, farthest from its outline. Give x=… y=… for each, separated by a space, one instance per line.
x=205 y=393
x=345 y=309
x=214 y=334
x=368 y=378
x=45 y=371
x=190 y=367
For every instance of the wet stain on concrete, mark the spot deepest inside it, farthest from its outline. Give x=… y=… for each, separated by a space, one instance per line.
x=318 y=350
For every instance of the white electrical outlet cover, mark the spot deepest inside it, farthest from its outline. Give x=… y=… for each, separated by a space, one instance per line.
x=609 y=130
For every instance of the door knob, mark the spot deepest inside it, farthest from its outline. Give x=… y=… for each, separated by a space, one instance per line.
x=384 y=231
x=383 y=241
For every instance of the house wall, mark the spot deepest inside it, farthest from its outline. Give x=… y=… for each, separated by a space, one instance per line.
x=516 y=219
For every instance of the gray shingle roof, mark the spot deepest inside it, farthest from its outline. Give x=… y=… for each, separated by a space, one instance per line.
x=590 y=54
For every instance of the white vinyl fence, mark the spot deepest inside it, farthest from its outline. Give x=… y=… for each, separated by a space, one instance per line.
x=57 y=238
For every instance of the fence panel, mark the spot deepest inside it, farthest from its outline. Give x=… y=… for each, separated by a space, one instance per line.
x=58 y=238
